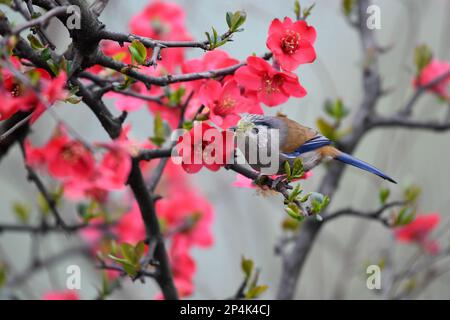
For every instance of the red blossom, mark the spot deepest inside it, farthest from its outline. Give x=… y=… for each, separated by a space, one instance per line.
x=205 y=146
x=190 y=214
x=74 y=164
x=163 y=21
x=130 y=228
x=212 y=60
x=128 y=103
x=16 y=97
x=291 y=43
x=419 y=231
x=225 y=102
x=272 y=87
x=61 y=295
x=432 y=71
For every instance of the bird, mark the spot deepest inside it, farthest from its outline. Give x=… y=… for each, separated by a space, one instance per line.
x=293 y=140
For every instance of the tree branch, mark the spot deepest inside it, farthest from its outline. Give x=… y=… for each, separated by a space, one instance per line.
x=373 y=215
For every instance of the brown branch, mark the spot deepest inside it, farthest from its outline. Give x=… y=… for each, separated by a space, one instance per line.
x=42 y=20
x=373 y=215
x=33 y=177
x=98 y=6
x=36 y=266
x=406 y=111
x=126 y=69
x=152 y=43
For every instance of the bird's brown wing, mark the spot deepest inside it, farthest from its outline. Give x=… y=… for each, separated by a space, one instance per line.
x=296 y=136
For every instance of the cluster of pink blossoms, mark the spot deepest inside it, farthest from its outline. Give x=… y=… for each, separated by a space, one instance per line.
x=185 y=218
x=16 y=97
x=225 y=98
x=74 y=164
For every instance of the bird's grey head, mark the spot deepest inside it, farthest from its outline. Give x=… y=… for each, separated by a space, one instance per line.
x=258 y=126
x=258 y=138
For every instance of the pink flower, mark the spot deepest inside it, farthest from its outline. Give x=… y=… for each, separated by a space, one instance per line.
x=183 y=270
x=64 y=158
x=291 y=43
x=191 y=214
x=114 y=169
x=72 y=163
x=272 y=87
x=212 y=60
x=158 y=20
x=61 y=295
x=130 y=228
x=129 y=103
x=15 y=97
x=205 y=146
x=432 y=71
x=225 y=102
x=419 y=231
x=52 y=91
x=163 y=21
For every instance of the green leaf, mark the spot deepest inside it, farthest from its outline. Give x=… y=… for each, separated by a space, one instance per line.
x=2 y=274
x=53 y=66
x=117 y=259
x=229 y=18
x=336 y=109
x=46 y=54
x=34 y=42
x=22 y=211
x=256 y=291
x=347 y=6
x=405 y=216
x=128 y=252
x=208 y=37
x=6 y=2
x=159 y=131
x=294 y=212
x=188 y=125
x=289 y=224
x=247 y=267
x=318 y=202
x=297 y=170
x=43 y=204
x=422 y=57
x=287 y=169
x=297 y=9
x=176 y=96
x=130 y=270
x=139 y=250
x=384 y=195
x=237 y=20
x=138 y=51
x=295 y=193
x=326 y=128
x=307 y=11
x=412 y=193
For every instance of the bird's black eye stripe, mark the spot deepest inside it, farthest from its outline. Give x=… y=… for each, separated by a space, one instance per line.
x=262 y=123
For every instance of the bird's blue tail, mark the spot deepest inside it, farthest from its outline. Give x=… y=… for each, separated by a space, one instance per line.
x=348 y=159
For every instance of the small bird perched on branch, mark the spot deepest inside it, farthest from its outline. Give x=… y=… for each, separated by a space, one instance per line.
x=292 y=141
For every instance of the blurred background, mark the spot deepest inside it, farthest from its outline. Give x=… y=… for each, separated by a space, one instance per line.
x=249 y=224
